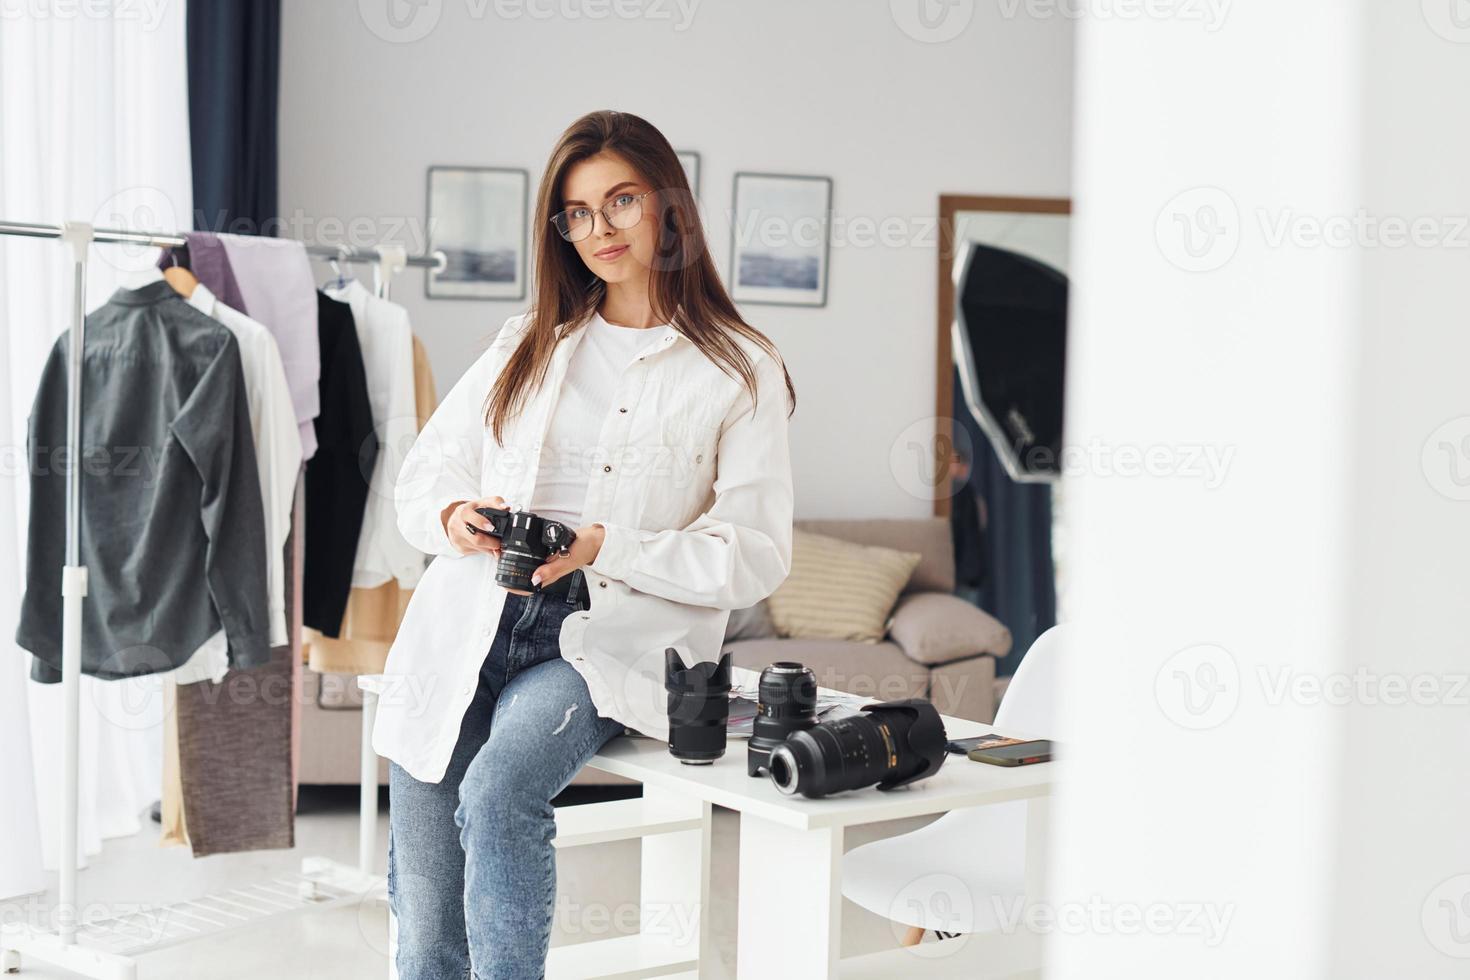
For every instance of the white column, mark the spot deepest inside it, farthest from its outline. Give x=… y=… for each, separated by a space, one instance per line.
x=1269 y=407
x=790 y=901
x=674 y=886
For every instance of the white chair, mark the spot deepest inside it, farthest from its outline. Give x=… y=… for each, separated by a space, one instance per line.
x=956 y=874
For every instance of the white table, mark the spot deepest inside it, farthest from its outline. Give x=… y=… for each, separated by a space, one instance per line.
x=790 y=907
x=791 y=855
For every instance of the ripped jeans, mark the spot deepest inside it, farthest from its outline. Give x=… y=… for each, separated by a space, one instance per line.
x=471 y=868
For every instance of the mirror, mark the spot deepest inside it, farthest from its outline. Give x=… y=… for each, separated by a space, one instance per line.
x=1003 y=292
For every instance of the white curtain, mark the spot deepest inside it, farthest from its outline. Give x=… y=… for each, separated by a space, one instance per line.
x=93 y=127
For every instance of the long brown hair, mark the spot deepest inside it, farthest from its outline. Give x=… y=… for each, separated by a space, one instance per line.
x=684 y=289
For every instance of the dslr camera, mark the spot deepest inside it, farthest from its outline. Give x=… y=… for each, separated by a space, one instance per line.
x=525 y=542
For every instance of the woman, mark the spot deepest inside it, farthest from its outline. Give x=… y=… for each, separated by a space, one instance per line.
x=633 y=404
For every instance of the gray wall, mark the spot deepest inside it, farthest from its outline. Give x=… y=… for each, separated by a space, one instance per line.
x=833 y=88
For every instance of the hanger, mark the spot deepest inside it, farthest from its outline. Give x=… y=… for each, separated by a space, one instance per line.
x=392 y=259
x=343 y=253
x=179 y=277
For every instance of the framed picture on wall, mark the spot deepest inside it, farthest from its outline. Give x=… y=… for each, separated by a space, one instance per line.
x=690 y=160
x=477 y=216
x=780 y=239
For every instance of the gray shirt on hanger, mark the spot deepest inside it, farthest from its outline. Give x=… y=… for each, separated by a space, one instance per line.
x=172 y=523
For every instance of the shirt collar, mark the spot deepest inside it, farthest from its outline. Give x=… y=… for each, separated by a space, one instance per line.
x=202 y=299
x=146 y=295
x=668 y=334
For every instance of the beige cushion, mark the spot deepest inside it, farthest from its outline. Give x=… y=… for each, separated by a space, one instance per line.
x=935 y=628
x=930 y=536
x=839 y=590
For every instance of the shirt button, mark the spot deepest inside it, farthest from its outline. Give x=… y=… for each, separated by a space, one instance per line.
x=607 y=469
x=602 y=585
x=623 y=410
x=699 y=458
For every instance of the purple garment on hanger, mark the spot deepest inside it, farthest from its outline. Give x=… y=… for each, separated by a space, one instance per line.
x=278 y=290
x=210 y=265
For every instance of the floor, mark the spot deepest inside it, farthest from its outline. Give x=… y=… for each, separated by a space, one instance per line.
x=598 y=892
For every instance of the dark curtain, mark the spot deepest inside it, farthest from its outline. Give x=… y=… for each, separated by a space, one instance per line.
x=1016 y=578
x=234 y=71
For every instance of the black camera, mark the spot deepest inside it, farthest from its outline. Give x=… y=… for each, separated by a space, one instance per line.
x=699 y=707
x=787 y=703
x=525 y=541
x=891 y=744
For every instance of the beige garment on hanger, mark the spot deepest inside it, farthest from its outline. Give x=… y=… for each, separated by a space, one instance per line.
x=372 y=617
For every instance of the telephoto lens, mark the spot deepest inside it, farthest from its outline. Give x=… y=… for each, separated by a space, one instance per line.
x=699 y=707
x=891 y=744
x=787 y=703
x=526 y=539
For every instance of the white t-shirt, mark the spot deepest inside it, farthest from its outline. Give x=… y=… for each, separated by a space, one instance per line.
x=585 y=397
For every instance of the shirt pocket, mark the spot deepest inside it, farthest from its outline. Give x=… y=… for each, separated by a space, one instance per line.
x=679 y=487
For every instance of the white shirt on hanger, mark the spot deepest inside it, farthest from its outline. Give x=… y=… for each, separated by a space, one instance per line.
x=278 y=456
x=571 y=439
x=692 y=485
x=386 y=340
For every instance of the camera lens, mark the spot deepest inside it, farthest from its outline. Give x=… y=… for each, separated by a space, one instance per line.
x=699 y=707
x=783 y=769
x=787 y=703
x=515 y=568
x=888 y=744
x=525 y=541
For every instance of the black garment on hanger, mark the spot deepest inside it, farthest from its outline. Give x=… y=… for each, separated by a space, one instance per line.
x=337 y=476
x=171 y=518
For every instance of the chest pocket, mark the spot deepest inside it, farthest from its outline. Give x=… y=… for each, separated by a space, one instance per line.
x=679 y=487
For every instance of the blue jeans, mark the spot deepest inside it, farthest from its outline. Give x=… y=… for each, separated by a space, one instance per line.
x=471 y=869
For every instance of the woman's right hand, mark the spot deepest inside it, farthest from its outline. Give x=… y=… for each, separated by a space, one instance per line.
x=456 y=516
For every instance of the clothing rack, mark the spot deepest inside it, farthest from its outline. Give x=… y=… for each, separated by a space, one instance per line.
x=105 y=948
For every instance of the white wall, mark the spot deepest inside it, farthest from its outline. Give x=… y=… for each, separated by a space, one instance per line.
x=831 y=88
x=1269 y=706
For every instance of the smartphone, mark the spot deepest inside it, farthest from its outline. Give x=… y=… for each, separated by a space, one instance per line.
x=1013 y=754
x=962 y=746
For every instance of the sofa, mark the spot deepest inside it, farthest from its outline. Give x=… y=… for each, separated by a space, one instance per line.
x=938 y=646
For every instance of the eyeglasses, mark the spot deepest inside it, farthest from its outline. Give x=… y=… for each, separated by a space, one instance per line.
x=623 y=211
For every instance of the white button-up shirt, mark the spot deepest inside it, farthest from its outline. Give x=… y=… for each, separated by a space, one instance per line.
x=692 y=483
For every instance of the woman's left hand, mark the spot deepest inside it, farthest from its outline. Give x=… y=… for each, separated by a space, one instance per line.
x=584 y=551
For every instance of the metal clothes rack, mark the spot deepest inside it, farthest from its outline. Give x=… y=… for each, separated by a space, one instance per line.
x=105 y=948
